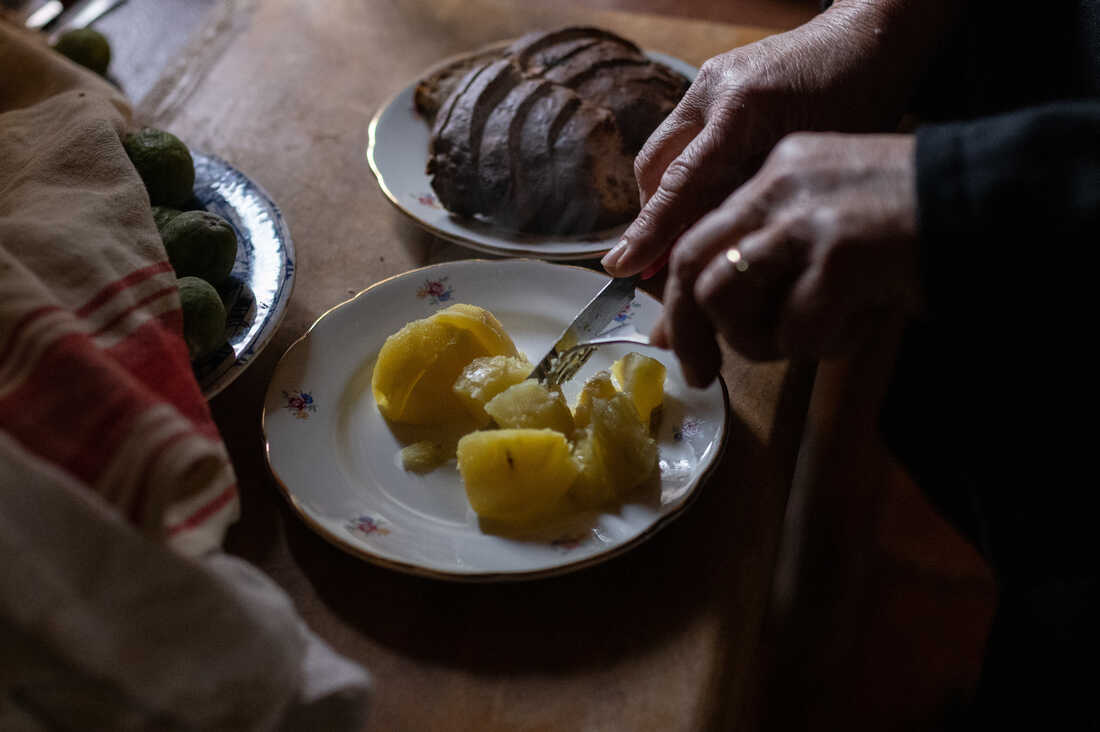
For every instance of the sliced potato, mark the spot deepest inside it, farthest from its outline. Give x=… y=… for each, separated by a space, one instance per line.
x=598 y=386
x=642 y=379
x=531 y=405
x=484 y=378
x=424 y=456
x=614 y=453
x=515 y=475
x=417 y=366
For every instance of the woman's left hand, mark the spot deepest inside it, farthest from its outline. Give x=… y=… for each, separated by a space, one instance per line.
x=800 y=259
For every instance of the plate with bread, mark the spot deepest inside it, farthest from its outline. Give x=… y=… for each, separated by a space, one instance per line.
x=526 y=148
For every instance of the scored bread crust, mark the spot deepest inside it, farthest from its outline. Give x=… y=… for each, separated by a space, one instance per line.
x=540 y=136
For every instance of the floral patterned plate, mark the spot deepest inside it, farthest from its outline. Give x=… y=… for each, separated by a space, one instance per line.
x=398 y=153
x=258 y=289
x=337 y=460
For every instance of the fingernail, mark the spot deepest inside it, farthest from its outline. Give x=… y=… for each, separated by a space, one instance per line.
x=612 y=257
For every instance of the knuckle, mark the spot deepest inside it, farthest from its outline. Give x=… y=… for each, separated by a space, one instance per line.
x=790 y=150
x=708 y=292
x=677 y=176
x=711 y=71
x=643 y=160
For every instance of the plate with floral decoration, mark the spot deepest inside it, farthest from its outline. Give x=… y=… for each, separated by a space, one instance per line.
x=338 y=461
x=398 y=155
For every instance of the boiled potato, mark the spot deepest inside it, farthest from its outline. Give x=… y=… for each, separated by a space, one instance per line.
x=484 y=378
x=642 y=379
x=531 y=405
x=614 y=452
x=515 y=475
x=598 y=386
x=424 y=456
x=418 y=365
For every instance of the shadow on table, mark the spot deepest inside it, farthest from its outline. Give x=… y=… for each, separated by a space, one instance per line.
x=717 y=558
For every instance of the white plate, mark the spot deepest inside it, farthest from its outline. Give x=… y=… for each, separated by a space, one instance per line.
x=258 y=288
x=337 y=459
x=398 y=155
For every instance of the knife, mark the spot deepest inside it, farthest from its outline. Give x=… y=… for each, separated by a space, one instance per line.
x=590 y=322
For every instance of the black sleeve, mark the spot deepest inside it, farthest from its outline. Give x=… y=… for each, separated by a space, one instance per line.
x=994 y=194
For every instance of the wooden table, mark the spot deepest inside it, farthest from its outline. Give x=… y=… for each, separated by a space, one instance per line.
x=666 y=637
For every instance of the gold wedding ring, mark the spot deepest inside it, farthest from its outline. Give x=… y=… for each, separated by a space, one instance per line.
x=733 y=254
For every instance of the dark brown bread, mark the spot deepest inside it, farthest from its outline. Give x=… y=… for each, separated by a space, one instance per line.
x=433 y=90
x=541 y=136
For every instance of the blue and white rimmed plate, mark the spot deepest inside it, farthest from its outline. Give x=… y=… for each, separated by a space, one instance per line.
x=398 y=154
x=337 y=460
x=258 y=289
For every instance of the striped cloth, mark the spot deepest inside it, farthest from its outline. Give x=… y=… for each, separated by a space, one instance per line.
x=117 y=609
x=94 y=376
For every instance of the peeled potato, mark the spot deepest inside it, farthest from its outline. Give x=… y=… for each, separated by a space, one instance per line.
x=515 y=475
x=642 y=379
x=417 y=366
x=614 y=452
x=484 y=378
x=423 y=456
x=598 y=386
x=531 y=405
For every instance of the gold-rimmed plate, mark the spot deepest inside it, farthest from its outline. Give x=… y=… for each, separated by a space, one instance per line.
x=398 y=153
x=338 y=462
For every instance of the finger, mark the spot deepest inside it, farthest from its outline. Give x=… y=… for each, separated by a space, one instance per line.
x=658 y=337
x=743 y=302
x=742 y=213
x=665 y=144
x=691 y=184
x=682 y=318
x=691 y=337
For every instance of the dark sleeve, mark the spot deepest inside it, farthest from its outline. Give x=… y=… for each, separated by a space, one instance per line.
x=997 y=189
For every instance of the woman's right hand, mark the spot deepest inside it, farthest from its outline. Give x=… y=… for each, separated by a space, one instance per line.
x=845 y=70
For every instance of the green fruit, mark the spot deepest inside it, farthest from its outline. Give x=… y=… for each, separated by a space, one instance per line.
x=86 y=47
x=200 y=244
x=163 y=214
x=164 y=164
x=203 y=316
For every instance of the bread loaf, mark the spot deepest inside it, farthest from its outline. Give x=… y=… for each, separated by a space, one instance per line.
x=540 y=136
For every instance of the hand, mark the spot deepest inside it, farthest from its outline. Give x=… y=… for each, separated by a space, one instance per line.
x=852 y=68
x=800 y=259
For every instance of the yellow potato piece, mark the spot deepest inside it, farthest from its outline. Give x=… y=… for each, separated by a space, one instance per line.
x=484 y=378
x=417 y=366
x=515 y=475
x=598 y=386
x=642 y=379
x=424 y=456
x=531 y=405
x=614 y=453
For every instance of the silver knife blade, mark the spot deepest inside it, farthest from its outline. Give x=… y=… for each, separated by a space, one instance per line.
x=591 y=321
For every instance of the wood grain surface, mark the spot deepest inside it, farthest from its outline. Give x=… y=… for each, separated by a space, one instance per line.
x=662 y=638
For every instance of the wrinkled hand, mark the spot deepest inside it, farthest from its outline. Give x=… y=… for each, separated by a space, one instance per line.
x=801 y=258
x=851 y=68
x=740 y=103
